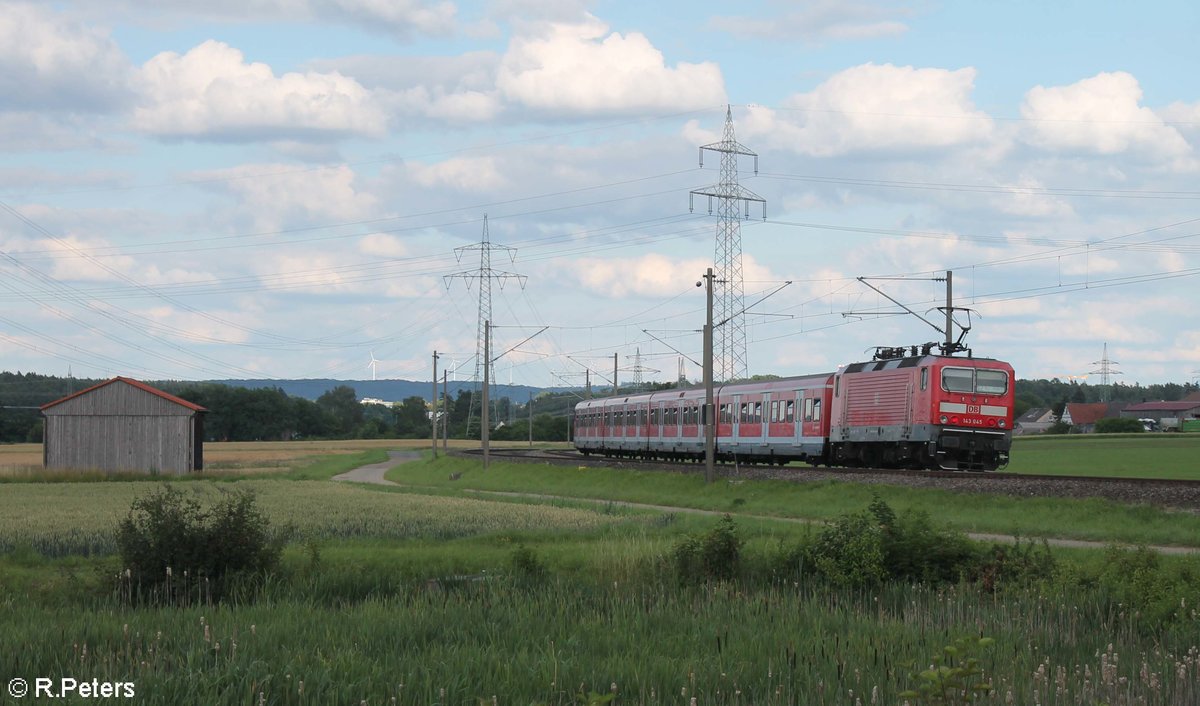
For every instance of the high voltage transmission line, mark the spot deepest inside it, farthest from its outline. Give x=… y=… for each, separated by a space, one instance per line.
x=729 y=357
x=483 y=276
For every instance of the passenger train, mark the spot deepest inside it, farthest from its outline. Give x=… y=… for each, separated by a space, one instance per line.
x=907 y=408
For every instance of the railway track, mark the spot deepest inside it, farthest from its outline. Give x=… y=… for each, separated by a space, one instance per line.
x=1162 y=492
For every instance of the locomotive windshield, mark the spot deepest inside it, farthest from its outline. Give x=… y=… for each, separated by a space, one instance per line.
x=991 y=382
x=984 y=382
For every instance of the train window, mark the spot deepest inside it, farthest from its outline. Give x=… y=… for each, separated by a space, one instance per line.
x=991 y=382
x=924 y=378
x=808 y=409
x=958 y=379
x=758 y=417
x=790 y=414
x=816 y=410
x=745 y=413
x=774 y=410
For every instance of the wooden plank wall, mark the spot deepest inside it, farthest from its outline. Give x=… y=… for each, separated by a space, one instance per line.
x=120 y=428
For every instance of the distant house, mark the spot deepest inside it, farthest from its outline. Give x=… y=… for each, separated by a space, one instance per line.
x=1082 y=416
x=1035 y=421
x=1158 y=411
x=1192 y=397
x=123 y=425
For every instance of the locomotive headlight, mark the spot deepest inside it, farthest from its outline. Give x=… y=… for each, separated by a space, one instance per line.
x=944 y=419
x=1002 y=423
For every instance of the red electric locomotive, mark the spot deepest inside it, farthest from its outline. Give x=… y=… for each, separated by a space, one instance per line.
x=923 y=411
x=916 y=411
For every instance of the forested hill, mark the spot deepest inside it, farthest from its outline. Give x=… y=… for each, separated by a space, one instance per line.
x=34 y=390
x=387 y=390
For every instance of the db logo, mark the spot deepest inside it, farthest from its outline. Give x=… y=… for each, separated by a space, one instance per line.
x=974 y=409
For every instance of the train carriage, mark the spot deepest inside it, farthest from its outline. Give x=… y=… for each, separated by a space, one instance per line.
x=919 y=411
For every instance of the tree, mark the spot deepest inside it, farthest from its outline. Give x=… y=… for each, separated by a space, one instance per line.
x=412 y=418
x=1113 y=425
x=342 y=404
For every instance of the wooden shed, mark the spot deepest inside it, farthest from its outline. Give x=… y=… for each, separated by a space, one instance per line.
x=123 y=425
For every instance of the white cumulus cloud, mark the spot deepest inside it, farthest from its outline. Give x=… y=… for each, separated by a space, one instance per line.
x=1098 y=115
x=271 y=196
x=459 y=173
x=49 y=61
x=876 y=107
x=822 y=19
x=583 y=68
x=211 y=92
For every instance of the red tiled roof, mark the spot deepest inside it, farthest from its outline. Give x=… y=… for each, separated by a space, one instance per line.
x=1087 y=412
x=139 y=385
x=1180 y=406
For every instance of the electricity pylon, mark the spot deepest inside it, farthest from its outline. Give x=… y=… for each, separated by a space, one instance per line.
x=484 y=276
x=730 y=322
x=1104 y=371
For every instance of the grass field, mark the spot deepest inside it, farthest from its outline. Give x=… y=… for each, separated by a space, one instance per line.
x=413 y=595
x=1091 y=519
x=232 y=457
x=1110 y=455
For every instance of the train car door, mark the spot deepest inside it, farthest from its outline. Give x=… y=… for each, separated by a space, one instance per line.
x=781 y=416
x=735 y=419
x=750 y=411
x=812 y=413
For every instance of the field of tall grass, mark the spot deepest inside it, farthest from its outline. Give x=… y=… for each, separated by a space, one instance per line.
x=437 y=595
x=580 y=637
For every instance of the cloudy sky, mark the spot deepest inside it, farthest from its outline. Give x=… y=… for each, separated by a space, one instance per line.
x=277 y=188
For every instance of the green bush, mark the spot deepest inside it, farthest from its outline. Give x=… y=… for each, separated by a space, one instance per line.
x=915 y=550
x=1019 y=563
x=526 y=567
x=1161 y=594
x=1119 y=426
x=715 y=555
x=955 y=677
x=850 y=552
x=174 y=550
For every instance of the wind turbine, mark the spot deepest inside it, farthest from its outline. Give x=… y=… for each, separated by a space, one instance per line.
x=372 y=365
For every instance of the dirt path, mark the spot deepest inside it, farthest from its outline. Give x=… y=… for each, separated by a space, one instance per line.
x=374 y=472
